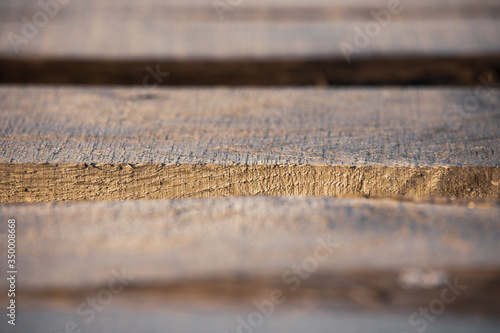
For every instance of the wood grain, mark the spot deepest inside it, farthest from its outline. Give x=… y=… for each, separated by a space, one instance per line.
x=107 y=144
x=96 y=42
x=229 y=251
x=83 y=182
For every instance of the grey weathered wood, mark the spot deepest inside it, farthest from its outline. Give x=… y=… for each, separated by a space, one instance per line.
x=121 y=27
x=293 y=43
x=159 y=143
x=230 y=251
x=362 y=127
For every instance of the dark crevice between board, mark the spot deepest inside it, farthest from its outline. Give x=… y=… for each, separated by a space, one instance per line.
x=400 y=71
x=383 y=289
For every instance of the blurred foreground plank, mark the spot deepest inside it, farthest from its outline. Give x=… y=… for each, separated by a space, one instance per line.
x=62 y=144
x=223 y=253
x=251 y=43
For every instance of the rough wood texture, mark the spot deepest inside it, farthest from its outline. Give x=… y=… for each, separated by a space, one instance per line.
x=385 y=126
x=112 y=42
x=76 y=182
x=156 y=143
x=229 y=251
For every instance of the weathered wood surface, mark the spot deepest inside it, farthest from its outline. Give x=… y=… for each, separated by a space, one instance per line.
x=373 y=254
x=278 y=42
x=159 y=143
x=363 y=127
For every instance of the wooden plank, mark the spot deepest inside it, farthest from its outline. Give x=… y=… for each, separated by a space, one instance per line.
x=186 y=36
x=373 y=254
x=101 y=144
x=299 y=41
